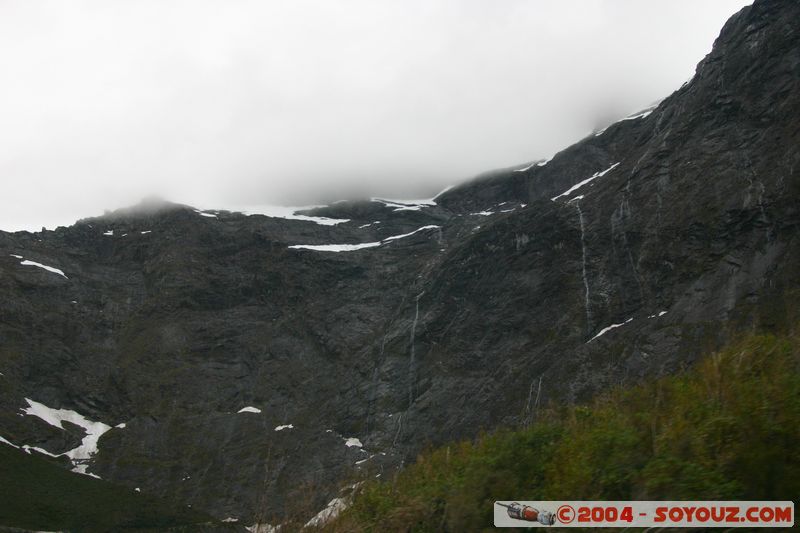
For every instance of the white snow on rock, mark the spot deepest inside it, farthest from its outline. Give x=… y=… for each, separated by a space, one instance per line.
x=642 y=114
x=4 y=441
x=288 y=213
x=639 y=114
x=404 y=235
x=281 y=428
x=352 y=247
x=94 y=430
x=45 y=267
x=331 y=511
x=249 y=409
x=411 y=205
x=407 y=205
x=442 y=192
x=334 y=247
x=398 y=206
x=607 y=329
x=540 y=163
x=36 y=449
x=578 y=185
x=352 y=441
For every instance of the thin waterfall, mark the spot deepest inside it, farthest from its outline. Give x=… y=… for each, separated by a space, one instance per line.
x=411 y=359
x=577 y=202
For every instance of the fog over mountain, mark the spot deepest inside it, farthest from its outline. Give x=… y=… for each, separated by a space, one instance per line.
x=220 y=104
x=604 y=324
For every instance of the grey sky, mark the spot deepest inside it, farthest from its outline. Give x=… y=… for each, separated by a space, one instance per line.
x=219 y=103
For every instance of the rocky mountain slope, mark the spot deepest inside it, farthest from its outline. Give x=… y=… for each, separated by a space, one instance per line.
x=252 y=365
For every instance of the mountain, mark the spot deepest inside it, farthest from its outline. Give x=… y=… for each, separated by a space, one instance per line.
x=251 y=366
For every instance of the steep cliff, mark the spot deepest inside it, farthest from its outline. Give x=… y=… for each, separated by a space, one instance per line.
x=257 y=368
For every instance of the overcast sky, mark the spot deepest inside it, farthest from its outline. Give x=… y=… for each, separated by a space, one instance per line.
x=222 y=103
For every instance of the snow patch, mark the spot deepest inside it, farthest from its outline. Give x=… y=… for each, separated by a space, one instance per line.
x=249 y=409
x=281 y=428
x=411 y=205
x=146 y=232
x=643 y=114
x=404 y=235
x=352 y=247
x=578 y=185
x=36 y=449
x=80 y=455
x=4 y=441
x=639 y=114
x=407 y=205
x=607 y=329
x=352 y=441
x=331 y=511
x=442 y=192
x=334 y=247
x=202 y=214
x=45 y=267
x=662 y=313
x=288 y=213
x=540 y=163
x=109 y=232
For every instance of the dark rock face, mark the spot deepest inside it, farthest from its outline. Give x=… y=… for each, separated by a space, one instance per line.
x=691 y=237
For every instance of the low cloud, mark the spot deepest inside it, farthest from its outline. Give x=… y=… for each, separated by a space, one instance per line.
x=222 y=103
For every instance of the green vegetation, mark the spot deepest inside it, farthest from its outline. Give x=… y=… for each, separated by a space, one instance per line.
x=727 y=429
x=38 y=494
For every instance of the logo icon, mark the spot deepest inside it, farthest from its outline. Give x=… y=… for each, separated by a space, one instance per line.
x=529 y=514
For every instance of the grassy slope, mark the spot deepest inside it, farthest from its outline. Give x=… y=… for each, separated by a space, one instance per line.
x=38 y=494
x=727 y=429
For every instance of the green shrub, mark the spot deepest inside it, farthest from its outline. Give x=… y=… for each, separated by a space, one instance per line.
x=727 y=429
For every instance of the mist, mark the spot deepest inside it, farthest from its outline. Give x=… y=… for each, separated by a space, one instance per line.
x=220 y=103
